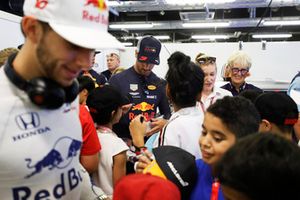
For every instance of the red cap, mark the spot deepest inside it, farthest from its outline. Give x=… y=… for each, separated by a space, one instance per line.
x=145 y=187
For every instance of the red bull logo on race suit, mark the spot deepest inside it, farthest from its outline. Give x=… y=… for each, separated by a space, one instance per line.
x=148 y=110
x=144 y=106
x=97 y=3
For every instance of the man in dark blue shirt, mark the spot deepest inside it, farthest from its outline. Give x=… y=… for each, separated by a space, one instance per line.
x=143 y=88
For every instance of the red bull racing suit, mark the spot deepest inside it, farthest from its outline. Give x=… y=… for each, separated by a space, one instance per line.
x=39 y=148
x=145 y=93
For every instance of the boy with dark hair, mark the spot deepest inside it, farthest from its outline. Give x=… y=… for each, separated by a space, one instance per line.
x=278 y=113
x=259 y=167
x=86 y=85
x=225 y=122
x=105 y=104
x=250 y=94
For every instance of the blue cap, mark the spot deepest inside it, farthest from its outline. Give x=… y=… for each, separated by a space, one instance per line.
x=148 y=49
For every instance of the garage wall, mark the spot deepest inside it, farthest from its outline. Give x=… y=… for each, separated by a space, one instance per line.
x=280 y=61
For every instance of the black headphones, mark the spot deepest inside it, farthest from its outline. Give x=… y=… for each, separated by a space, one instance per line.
x=43 y=92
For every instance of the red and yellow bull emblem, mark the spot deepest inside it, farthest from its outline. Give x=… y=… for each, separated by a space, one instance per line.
x=97 y=3
x=144 y=106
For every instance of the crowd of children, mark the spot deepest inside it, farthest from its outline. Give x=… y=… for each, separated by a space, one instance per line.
x=214 y=140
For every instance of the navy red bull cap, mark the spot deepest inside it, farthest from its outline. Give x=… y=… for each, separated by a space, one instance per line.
x=148 y=49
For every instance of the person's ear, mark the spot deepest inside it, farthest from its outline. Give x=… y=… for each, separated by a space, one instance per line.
x=265 y=125
x=112 y=115
x=136 y=53
x=248 y=74
x=31 y=28
x=113 y=112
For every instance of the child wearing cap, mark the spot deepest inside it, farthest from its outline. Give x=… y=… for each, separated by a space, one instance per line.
x=105 y=107
x=210 y=93
x=260 y=167
x=173 y=164
x=225 y=122
x=278 y=113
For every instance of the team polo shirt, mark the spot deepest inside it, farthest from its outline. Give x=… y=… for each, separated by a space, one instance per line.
x=183 y=130
x=147 y=94
x=39 y=149
x=245 y=86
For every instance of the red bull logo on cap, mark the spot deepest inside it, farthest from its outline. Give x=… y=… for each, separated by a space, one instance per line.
x=97 y=3
x=150 y=49
x=101 y=17
x=41 y=4
x=144 y=106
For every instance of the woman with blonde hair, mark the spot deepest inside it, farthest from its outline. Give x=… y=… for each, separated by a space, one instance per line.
x=239 y=64
x=209 y=93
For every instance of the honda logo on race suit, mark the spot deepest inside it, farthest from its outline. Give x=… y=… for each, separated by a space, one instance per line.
x=28 y=121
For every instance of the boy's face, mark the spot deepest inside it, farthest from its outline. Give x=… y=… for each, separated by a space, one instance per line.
x=215 y=139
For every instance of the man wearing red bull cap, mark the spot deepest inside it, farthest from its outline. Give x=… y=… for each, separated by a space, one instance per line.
x=145 y=90
x=39 y=125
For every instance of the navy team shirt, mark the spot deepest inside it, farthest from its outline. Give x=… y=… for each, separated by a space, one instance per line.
x=245 y=86
x=145 y=93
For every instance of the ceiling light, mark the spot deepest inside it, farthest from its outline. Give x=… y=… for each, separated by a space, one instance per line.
x=195 y=2
x=159 y=37
x=130 y=26
x=219 y=1
x=282 y=23
x=113 y=3
x=210 y=37
x=272 y=35
x=180 y=2
x=205 y=24
x=127 y=44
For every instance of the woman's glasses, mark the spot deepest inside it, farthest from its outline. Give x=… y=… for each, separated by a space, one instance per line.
x=243 y=71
